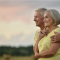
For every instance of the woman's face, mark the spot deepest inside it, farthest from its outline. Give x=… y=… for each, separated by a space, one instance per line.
x=48 y=21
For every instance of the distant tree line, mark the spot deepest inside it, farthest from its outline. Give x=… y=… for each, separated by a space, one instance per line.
x=14 y=51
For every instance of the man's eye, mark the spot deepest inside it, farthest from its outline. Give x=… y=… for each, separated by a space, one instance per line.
x=46 y=17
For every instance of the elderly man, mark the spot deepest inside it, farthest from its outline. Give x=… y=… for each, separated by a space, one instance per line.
x=38 y=18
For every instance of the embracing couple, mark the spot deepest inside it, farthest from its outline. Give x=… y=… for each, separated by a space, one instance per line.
x=47 y=39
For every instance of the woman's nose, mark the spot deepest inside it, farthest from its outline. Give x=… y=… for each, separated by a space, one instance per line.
x=44 y=19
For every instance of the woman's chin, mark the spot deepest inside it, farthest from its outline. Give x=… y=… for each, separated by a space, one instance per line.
x=46 y=26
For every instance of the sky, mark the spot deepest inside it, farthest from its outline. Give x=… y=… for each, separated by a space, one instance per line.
x=17 y=27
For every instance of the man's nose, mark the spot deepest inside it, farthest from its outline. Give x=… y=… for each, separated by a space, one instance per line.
x=34 y=19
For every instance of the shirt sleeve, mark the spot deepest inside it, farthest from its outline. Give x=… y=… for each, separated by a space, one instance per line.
x=35 y=37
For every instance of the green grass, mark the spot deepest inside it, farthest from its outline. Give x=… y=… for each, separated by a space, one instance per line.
x=19 y=58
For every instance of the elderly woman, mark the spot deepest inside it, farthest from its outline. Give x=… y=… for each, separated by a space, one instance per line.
x=48 y=50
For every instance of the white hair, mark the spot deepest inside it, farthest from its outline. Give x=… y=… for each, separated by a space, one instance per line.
x=55 y=15
x=43 y=10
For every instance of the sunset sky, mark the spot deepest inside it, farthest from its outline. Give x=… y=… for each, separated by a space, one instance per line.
x=17 y=27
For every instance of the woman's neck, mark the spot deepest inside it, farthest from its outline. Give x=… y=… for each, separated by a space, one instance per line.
x=52 y=28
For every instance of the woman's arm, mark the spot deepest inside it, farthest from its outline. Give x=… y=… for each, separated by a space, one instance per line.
x=50 y=52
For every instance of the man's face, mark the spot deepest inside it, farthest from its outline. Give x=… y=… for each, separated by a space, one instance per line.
x=38 y=18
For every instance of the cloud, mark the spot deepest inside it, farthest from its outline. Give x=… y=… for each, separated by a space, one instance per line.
x=16 y=40
x=16 y=33
x=47 y=4
x=13 y=13
x=8 y=29
x=16 y=20
x=28 y=40
x=8 y=13
x=31 y=3
x=24 y=10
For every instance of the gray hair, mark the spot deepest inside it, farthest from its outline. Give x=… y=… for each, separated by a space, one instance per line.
x=55 y=15
x=43 y=10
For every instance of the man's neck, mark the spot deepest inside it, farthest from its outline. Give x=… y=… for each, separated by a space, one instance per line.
x=42 y=27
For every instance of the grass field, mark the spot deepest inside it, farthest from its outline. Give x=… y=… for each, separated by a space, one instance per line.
x=19 y=58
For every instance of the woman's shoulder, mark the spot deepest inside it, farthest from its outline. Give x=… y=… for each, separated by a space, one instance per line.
x=57 y=29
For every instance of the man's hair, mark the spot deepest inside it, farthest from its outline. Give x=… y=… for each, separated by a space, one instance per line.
x=43 y=10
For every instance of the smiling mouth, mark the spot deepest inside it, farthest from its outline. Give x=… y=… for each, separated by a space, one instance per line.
x=35 y=22
x=46 y=22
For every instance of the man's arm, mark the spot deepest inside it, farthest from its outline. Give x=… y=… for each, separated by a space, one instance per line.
x=36 y=45
x=56 y=38
x=35 y=39
x=34 y=49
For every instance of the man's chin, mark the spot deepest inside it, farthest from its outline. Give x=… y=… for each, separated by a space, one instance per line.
x=37 y=25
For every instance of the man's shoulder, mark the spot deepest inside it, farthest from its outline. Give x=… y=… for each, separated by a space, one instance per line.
x=37 y=31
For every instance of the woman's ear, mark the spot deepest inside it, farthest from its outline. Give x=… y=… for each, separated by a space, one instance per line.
x=54 y=23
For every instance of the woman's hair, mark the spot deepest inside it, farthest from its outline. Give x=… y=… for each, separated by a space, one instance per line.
x=55 y=15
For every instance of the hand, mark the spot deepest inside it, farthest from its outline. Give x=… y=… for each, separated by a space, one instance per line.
x=36 y=55
x=43 y=33
x=55 y=38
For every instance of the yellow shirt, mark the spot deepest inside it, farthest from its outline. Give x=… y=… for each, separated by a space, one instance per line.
x=36 y=36
x=44 y=44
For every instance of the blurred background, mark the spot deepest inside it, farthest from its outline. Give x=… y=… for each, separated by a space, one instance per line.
x=17 y=28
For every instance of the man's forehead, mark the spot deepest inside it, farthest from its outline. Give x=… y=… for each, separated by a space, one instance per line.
x=37 y=12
